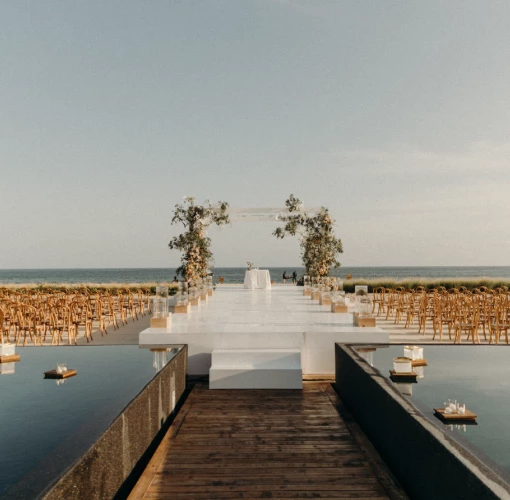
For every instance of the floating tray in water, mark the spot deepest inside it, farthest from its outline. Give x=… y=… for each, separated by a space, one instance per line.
x=419 y=362
x=55 y=374
x=403 y=376
x=10 y=358
x=440 y=413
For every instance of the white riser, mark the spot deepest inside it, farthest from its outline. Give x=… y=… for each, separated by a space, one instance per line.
x=255 y=379
x=256 y=369
x=256 y=358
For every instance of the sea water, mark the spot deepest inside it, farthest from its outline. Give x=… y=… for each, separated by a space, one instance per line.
x=236 y=274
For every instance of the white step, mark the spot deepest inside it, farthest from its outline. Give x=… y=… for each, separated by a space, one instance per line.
x=256 y=369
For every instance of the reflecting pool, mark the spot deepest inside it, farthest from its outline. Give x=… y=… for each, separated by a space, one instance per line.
x=46 y=425
x=478 y=376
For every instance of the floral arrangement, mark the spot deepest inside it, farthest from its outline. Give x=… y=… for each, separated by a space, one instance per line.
x=193 y=242
x=250 y=265
x=319 y=246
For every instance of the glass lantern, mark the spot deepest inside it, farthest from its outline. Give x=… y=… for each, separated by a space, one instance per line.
x=360 y=292
x=306 y=283
x=402 y=365
x=413 y=351
x=160 y=303
x=182 y=296
x=365 y=307
x=338 y=297
x=193 y=292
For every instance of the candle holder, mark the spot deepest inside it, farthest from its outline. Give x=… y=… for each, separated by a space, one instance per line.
x=316 y=289
x=61 y=372
x=402 y=370
x=338 y=304
x=360 y=291
x=161 y=318
x=416 y=354
x=209 y=286
x=182 y=305
x=307 y=288
x=402 y=365
x=454 y=411
x=8 y=353
x=325 y=298
x=193 y=295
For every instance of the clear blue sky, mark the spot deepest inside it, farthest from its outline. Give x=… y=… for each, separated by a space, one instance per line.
x=395 y=115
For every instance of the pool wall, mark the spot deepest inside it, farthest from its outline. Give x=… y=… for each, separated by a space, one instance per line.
x=427 y=463
x=105 y=467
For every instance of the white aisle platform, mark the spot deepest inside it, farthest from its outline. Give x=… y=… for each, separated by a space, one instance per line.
x=280 y=318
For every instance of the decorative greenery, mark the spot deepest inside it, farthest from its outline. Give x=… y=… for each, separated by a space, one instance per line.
x=193 y=242
x=319 y=246
x=428 y=283
x=250 y=265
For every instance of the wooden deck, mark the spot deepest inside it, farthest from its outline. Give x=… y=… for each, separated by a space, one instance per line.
x=227 y=444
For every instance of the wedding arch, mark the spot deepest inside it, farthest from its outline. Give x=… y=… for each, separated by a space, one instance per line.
x=314 y=227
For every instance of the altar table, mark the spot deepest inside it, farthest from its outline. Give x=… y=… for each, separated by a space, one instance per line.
x=257 y=278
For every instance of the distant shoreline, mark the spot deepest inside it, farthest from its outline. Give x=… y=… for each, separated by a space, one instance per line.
x=236 y=274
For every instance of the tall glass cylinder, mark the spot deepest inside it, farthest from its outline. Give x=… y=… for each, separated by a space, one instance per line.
x=365 y=307
x=193 y=292
x=160 y=302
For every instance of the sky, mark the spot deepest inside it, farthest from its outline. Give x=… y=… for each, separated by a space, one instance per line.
x=394 y=115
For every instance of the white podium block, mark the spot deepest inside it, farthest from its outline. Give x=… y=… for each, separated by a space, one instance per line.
x=256 y=369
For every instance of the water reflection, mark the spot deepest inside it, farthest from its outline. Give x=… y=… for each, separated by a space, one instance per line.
x=406 y=389
x=61 y=419
x=161 y=357
x=367 y=353
x=7 y=368
x=420 y=371
x=473 y=375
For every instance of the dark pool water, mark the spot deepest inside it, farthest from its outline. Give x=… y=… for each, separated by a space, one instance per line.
x=45 y=427
x=478 y=376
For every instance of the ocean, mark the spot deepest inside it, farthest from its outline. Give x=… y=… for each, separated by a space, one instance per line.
x=236 y=274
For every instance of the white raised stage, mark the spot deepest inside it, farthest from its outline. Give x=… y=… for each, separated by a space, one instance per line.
x=280 y=318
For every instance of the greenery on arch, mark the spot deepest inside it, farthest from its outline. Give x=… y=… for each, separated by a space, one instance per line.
x=194 y=243
x=319 y=246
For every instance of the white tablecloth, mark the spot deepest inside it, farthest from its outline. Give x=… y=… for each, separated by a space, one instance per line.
x=257 y=278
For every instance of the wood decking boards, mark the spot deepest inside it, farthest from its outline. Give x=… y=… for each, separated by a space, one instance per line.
x=228 y=444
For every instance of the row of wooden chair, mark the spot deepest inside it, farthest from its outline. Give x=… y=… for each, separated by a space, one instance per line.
x=41 y=316
x=462 y=312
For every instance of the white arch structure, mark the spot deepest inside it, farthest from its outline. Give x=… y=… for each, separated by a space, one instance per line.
x=263 y=214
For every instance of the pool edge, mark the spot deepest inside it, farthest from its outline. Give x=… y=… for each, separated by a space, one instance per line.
x=426 y=462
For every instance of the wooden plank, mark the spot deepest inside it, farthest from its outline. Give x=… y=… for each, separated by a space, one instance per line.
x=259 y=444
x=325 y=495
